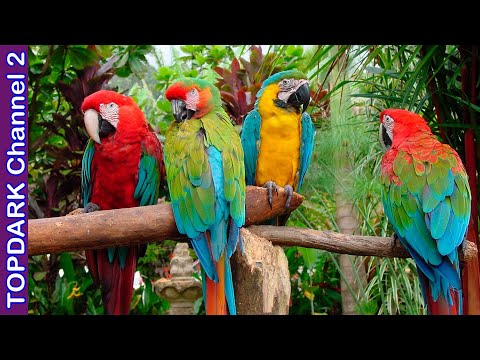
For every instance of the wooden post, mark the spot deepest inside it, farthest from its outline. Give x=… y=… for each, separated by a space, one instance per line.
x=261 y=277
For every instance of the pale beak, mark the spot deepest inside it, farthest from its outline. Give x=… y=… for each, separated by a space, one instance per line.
x=90 y=118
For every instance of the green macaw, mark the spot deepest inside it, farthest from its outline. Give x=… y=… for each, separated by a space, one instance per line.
x=206 y=179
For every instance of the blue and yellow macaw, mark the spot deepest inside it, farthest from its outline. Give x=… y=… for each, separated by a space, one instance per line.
x=206 y=179
x=278 y=136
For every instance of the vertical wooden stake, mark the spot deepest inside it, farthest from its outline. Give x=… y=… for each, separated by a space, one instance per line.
x=261 y=277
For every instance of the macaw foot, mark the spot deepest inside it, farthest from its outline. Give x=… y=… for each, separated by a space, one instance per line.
x=91 y=207
x=270 y=185
x=289 y=191
x=394 y=240
x=462 y=249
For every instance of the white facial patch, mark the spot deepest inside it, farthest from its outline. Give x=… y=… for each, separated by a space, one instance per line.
x=109 y=112
x=287 y=87
x=192 y=99
x=388 y=123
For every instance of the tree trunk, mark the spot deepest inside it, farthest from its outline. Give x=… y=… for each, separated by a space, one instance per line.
x=351 y=266
x=471 y=273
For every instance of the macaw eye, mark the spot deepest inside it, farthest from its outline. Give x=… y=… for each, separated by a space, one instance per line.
x=387 y=120
x=111 y=105
x=193 y=91
x=286 y=83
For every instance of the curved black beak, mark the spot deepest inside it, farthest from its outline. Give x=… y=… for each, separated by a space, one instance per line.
x=300 y=98
x=180 y=111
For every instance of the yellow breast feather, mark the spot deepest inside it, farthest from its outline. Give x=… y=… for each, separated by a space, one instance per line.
x=280 y=133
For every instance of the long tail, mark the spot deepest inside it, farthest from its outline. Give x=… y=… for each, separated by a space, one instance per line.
x=116 y=281
x=219 y=296
x=218 y=289
x=441 y=284
x=215 y=300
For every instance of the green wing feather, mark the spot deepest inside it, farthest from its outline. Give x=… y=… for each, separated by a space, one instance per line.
x=189 y=174
x=225 y=138
x=189 y=177
x=86 y=176
x=147 y=189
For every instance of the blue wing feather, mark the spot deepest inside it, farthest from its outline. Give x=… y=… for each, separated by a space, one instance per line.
x=229 y=290
x=200 y=246
x=218 y=232
x=250 y=138
x=306 y=147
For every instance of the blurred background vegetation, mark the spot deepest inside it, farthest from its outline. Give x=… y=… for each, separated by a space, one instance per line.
x=350 y=85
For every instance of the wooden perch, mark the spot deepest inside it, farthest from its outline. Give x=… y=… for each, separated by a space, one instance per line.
x=342 y=243
x=154 y=223
x=132 y=226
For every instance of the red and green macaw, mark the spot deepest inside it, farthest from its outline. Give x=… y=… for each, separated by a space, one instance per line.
x=122 y=167
x=278 y=135
x=206 y=179
x=426 y=197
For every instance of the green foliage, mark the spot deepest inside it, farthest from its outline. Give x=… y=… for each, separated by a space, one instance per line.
x=315 y=288
x=426 y=79
x=60 y=285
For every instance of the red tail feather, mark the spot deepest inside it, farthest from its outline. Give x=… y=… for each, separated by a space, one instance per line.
x=441 y=307
x=216 y=302
x=116 y=283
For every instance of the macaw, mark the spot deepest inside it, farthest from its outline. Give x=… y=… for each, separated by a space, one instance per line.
x=277 y=136
x=206 y=179
x=426 y=197
x=122 y=167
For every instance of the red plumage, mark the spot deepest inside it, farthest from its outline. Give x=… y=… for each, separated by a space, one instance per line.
x=440 y=307
x=182 y=91
x=114 y=177
x=177 y=91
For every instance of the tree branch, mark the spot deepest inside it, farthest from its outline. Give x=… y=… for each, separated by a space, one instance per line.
x=146 y=224
x=139 y=225
x=342 y=243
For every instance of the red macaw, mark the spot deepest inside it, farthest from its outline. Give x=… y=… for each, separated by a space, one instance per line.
x=427 y=199
x=122 y=167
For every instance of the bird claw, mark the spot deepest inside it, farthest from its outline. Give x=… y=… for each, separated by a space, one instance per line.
x=289 y=191
x=394 y=240
x=270 y=186
x=91 y=207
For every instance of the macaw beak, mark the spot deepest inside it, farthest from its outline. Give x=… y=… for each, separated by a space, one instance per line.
x=300 y=98
x=92 y=124
x=385 y=139
x=97 y=127
x=180 y=111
